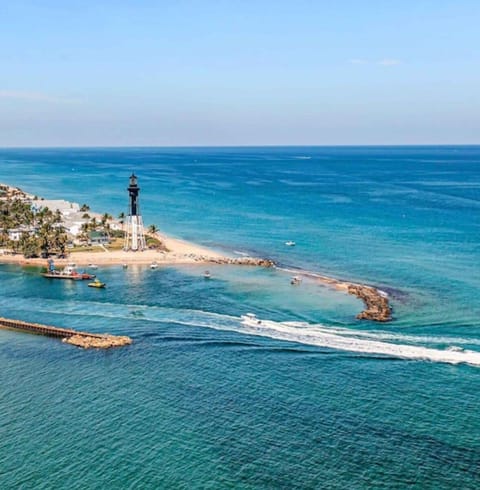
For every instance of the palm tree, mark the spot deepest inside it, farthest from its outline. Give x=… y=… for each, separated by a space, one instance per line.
x=57 y=217
x=106 y=217
x=29 y=245
x=60 y=239
x=152 y=229
x=83 y=236
x=121 y=217
x=45 y=235
x=93 y=223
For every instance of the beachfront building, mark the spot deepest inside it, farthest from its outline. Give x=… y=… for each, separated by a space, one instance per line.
x=15 y=234
x=134 y=233
x=98 y=238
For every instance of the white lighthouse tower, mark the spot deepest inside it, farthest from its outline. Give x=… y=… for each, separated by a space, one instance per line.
x=134 y=234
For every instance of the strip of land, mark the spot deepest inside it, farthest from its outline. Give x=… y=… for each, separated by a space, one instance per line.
x=179 y=252
x=171 y=251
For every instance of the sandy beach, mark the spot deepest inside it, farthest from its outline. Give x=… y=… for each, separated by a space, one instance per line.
x=177 y=251
x=180 y=252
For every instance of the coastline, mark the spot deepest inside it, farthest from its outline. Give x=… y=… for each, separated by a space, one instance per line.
x=376 y=302
x=178 y=251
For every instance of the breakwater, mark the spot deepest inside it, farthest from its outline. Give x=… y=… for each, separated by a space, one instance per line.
x=80 y=339
x=253 y=261
x=377 y=304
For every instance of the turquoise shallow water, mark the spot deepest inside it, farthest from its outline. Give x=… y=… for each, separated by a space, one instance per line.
x=201 y=401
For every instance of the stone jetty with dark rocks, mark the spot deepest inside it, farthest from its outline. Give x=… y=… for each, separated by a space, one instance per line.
x=377 y=307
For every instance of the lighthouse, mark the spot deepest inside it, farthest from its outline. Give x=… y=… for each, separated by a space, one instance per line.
x=134 y=235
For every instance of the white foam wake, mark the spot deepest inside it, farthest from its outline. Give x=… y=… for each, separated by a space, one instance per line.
x=366 y=342
x=321 y=336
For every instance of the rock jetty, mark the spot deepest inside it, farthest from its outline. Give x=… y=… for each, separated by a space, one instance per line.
x=377 y=307
x=243 y=261
x=98 y=342
x=81 y=339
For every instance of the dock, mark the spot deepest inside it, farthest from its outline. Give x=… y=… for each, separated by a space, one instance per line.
x=80 y=339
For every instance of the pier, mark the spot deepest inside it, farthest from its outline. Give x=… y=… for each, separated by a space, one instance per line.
x=81 y=339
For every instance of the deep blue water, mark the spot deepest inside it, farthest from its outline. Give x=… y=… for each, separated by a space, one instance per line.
x=198 y=401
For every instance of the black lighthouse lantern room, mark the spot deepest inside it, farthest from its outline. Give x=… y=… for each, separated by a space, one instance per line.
x=133 y=191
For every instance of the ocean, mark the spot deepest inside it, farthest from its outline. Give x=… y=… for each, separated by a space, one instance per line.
x=200 y=400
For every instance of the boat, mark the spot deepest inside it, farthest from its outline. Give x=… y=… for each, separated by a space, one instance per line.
x=68 y=272
x=62 y=275
x=93 y=266
x=251 y=319
x=96 y=284
x=207 y=275
x=295 y=280
x=290 y=243
x=125 y=266
x=153 y=265
x=455 y=348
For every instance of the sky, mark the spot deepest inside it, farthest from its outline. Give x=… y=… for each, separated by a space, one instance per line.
x=239 y=72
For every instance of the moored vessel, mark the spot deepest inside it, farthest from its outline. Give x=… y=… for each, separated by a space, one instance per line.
x=96 y=284
x=68 y=272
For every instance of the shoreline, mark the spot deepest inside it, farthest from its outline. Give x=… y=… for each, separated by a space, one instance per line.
x=376 y=302
x=178 y=251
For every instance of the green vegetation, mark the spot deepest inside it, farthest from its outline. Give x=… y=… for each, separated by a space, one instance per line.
x=153 y=242
x=39 y=232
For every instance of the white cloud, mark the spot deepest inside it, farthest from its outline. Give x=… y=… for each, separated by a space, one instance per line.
x=34 y=96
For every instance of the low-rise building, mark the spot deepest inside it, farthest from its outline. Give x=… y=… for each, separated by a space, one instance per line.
x=98 y=238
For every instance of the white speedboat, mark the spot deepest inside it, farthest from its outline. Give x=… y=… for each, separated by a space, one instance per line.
x=153 y=265
x=290 y=243
x=295 y=280
x=207 y=275
x=93 y=266
x=251 y=319
x=455 y=348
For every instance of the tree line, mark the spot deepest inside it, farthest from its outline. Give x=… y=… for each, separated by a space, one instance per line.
x=42 y=230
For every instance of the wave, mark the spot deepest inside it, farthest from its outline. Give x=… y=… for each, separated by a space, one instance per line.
x=318 y=335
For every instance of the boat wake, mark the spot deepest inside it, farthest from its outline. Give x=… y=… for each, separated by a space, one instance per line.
x=365 y=342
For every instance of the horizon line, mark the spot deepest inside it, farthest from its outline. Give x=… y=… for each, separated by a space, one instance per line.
x=343 y=145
